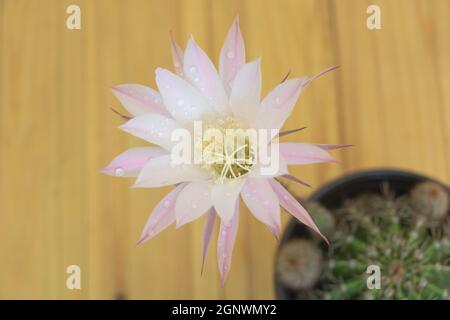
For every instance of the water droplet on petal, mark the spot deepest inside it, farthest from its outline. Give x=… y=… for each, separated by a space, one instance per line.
x=230 y=54
x=277 y=100
x=176 y=64
x=193 y=69
x=119 y=172
x=166 y=203
x=180 y=102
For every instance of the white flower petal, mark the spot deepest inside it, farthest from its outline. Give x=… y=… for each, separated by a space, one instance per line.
x=224 y=196
x=130 y=162
x=153 y=128
x=160 y=172
x=184 y=102
x=139 y=99
x=279 y=103
x=162 y=216
x=202 y=74
x=262 y=201
x=232 y=55
x=246 y=93
x=304 y=153
x=208 y=229
x=193 y=201
x=225 y=243
x=275 y=165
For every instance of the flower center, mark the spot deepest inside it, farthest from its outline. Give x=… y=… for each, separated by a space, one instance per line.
x=227 y=150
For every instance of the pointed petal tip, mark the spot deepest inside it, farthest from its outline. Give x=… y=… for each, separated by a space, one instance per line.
x=159 y=71
x=223 y=278
x=201 y=270
x=179 y=223
x=106 y=170
x=276 y=233
x=141 y=240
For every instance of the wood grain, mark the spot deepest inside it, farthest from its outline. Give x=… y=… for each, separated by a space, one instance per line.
x=389 y=98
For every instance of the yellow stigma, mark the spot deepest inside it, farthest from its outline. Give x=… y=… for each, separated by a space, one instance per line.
x=227 y=151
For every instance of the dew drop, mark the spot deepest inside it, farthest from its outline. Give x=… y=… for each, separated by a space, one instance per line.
x=277 y=100
x=177 y=64
x=166 y=203
x=119 y=172
x=230 y=54
x=180 y=102
x=193 y=69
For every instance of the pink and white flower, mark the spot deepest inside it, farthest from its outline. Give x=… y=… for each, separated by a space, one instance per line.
x=231 y=97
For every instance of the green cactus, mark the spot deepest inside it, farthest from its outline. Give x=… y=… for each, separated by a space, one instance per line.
x=393 y=234
x=407 y=237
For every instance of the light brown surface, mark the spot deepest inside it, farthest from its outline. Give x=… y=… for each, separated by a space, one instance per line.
x=390 y=98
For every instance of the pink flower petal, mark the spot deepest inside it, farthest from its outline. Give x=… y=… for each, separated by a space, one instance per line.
x=321 y=73
x=177 y=56
x=207 y=232
x=184 y=102
x=160 y=172
x=225 y=243
x=130 y=162
x=288 y=202
x=304 y=153
x=330 y=147
x=202 y=74
x=224 y=196
x=232 y=55
x=285 y=133
x=279 y=103
x=263 y=203
x=295 y=179
x=162 y=216
x=246 y=93
x=153 y=128
x=139 y=99
x=193 y=201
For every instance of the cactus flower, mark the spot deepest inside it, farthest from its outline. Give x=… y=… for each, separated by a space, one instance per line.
x=222 y=99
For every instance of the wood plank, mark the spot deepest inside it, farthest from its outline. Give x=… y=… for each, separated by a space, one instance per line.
x=389 y=98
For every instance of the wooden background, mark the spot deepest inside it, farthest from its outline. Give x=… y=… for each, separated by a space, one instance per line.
x=390 y=98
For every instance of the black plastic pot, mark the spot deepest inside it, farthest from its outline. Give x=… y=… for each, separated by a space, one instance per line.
x=332 y=194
